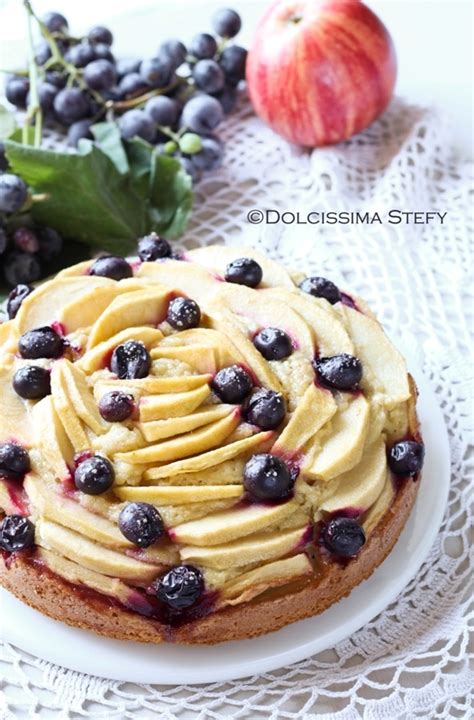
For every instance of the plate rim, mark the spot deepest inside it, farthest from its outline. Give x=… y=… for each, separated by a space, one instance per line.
x=434 y=428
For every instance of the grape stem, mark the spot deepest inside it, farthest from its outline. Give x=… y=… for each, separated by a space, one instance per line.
x=34 y=111
x=141 y=99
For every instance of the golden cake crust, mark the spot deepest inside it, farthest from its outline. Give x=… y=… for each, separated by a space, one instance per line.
x=55 y=597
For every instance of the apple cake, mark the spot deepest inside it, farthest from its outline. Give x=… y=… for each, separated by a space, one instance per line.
x=198 y=447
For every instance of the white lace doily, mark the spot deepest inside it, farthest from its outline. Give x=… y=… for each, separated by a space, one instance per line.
x=412 y=661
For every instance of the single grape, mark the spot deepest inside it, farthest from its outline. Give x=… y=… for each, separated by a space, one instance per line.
x=210 y=155
x=190 y=143
x=156 y=71
x=163 y=110
x=78 y=130
x=46 y=94
x=202 y=114
x=125 y=66
x=13 y=193
x=168 y=148
x=21 y=268
x=80 y=55
x=56 y=78
x=50 y=243
x=42 y=53
x=226 y=23
x=71 y=104
x=25 y=239
x=208 y=76
x=203 y=46
x=136 y=123
x=103 y=52
x=100 y=75
x=227 y=98
x=232 y=62
x=16 y=91
x=55 y=22
x=100 y=34
x=174 y=50
x=132 y=85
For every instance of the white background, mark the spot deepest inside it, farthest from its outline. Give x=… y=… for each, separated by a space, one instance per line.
x=433 y=40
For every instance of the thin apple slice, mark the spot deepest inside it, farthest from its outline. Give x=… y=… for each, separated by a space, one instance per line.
x=200 y=357
x=228 y=472
x=210 y=458
x=342 y=448
x=151 y=385
x=13 y=414
x=224 y=352
x=360 y=487
x=83 y=312
x=78 y=575
x=8 y=340
x=70 y=514
x=97 y=357
x=316 y=407
x=65 y=410
x=192 y=443
x=82 y=398
x=231 y=524
x=217 y=257
x=170 y=427
x=159 y=407
x=257 y=548
x=176 y=514
x=379 y=508
x=247 y=586
x=78 y=548
x=178 y=494
x=79 y=269
x=330 y=334
x=135 y=309
x=185 y=278
x=384 y=369
x=43 y=306
x=56 y=448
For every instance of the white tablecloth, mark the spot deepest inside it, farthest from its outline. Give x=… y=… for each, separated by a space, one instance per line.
x=412 y=660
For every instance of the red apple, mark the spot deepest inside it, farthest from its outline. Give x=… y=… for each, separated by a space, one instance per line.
x=319 y=71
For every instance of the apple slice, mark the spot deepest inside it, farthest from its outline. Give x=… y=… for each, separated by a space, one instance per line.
x=79 y=269
x=192 y=443
x=247 y=586
x=8 y=338
x=229 y=472
x=330 y=334
x=70 y=514
x=257 y=548
x=142 y=307
x=80 y=549
x=210 y=458
x=13 y=414
x=184 y=278
x=82 y=398
x=360 y=487
x=119 y=438
x=65 y=410
x=43 y=306
x=231 y=524
x=384 y=368
x=83 y=312
x=342 y=448
x=78 y=575
x=159 y=407
x=224 y=352
x=217 y=257
x=178 y=494
x=199 y=357
x=379 y=508
x=315 y=409
x=161 y=429
x=151 y=385
x=176 y=514
x=97 y=357
x=56 y=448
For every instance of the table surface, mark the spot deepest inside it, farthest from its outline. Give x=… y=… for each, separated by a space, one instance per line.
x=433 y=39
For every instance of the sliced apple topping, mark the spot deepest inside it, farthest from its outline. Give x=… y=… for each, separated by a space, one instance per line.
x=217 y=258
x=316 y=407
x=201 y=357
x=169 y=427
x=380 y=506
x=66 y=412
x=82 y=312
x=343 y=445
x=51 y=436
x=247 y=586
x=237 y=522
x=257 y=548
x=178 y=494
x=192 y=443
x=13 y=414
x=160 y=407
x=135 y=309
x=82 y=398
x=360 y=487
x=99 y=355
x=210 y=458
x=184 y=278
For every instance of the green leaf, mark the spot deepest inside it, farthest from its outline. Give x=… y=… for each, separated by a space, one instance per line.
x=171 y=196
x=87 y=198
x=7 y=123
x=140 y=157
x=108 y=138
x=17 y=136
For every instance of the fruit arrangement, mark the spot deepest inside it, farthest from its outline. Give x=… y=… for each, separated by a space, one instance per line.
x=142 y=131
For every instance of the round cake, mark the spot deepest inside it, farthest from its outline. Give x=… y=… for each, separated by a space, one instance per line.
x=198 y=448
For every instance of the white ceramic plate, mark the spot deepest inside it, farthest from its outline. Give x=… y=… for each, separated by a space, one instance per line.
x=170 y=664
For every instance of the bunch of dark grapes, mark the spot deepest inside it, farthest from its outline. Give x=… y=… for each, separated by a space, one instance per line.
x=26 y=250
x=175 y=100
